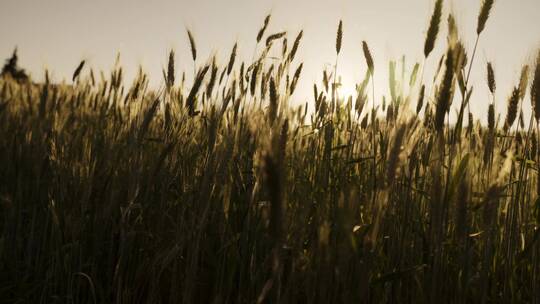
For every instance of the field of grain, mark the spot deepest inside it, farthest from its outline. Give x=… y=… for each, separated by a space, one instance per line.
x=224 y=191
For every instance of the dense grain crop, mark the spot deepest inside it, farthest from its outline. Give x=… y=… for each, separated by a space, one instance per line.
x=225 y=192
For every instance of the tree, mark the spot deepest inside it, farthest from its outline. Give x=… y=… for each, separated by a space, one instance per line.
x=11 y=68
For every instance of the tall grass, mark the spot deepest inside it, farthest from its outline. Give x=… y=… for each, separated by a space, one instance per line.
x=223 y=192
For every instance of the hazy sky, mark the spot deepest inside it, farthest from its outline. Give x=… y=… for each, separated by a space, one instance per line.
x=57 y=34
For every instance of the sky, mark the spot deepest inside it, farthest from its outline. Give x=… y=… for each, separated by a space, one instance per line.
x=58 y=34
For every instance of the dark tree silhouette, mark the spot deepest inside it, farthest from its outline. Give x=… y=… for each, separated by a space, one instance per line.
x=11 y=69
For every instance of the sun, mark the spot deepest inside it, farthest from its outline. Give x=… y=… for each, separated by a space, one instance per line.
x=346 y=88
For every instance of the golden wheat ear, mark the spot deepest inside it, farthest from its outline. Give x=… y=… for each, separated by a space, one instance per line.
x=263 y=28
x=294 y=49
x=192 y=45
x=368 y=57
x=535 y=89
x=491 y=78
x=339 y=37
x=484 y=15
x=511 y=113
x=78 y=70
x=491 y=117
x=232 y=59
x=445 y=92
x=170 y=70
x=433 y=30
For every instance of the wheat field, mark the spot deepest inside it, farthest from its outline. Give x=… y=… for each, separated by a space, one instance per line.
x=224 y=191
